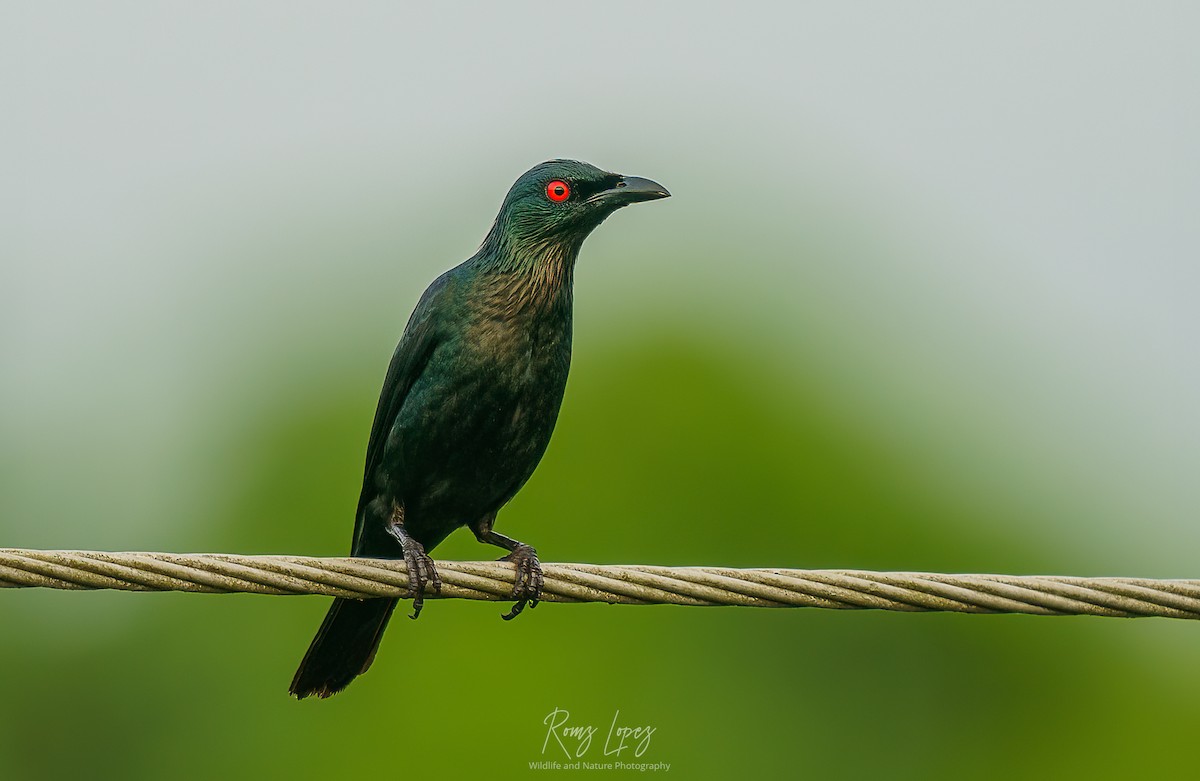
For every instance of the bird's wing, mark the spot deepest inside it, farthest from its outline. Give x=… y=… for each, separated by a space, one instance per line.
x=421 y=337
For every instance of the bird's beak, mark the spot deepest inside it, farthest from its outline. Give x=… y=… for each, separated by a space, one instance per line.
x=631 y=189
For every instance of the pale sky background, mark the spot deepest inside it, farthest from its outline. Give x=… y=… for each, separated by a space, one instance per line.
x=986 y=212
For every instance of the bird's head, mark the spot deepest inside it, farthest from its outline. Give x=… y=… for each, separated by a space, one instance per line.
x=564 y=200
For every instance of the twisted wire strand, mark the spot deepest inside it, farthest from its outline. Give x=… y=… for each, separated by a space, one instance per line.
x=220 y=573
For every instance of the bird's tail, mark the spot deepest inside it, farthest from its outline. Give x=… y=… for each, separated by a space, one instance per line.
x=344 y=646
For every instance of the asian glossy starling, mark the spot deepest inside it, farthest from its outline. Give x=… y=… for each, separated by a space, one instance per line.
x=469 y=403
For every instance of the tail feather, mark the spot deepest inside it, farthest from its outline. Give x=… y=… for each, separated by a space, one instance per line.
x=344 y=647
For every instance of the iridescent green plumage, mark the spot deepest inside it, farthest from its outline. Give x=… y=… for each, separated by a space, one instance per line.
x=470 y=401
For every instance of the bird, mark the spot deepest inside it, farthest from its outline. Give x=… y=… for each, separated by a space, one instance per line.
x=469 y=403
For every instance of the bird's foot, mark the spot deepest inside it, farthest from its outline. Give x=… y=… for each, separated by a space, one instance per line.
x=421 y=573
x=527 y=588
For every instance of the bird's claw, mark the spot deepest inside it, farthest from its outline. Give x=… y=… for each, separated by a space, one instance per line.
x=527 y=587
x=421 y=573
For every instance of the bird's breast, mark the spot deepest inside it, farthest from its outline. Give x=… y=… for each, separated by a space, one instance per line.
x=480 y=419
x=519 y=346
x=518 y=389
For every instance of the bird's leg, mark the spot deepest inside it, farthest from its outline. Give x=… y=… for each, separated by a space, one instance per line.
x=527 y=588
x=420 y=567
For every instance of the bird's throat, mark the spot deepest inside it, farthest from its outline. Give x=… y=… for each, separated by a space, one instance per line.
x=534 y=279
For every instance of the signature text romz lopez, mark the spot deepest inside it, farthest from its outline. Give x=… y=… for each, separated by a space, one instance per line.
x=576 y=739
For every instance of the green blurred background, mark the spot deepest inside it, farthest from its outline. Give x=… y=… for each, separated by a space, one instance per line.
x=924 y=299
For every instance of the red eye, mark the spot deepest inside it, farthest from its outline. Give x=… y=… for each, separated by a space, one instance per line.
x=558 y=191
